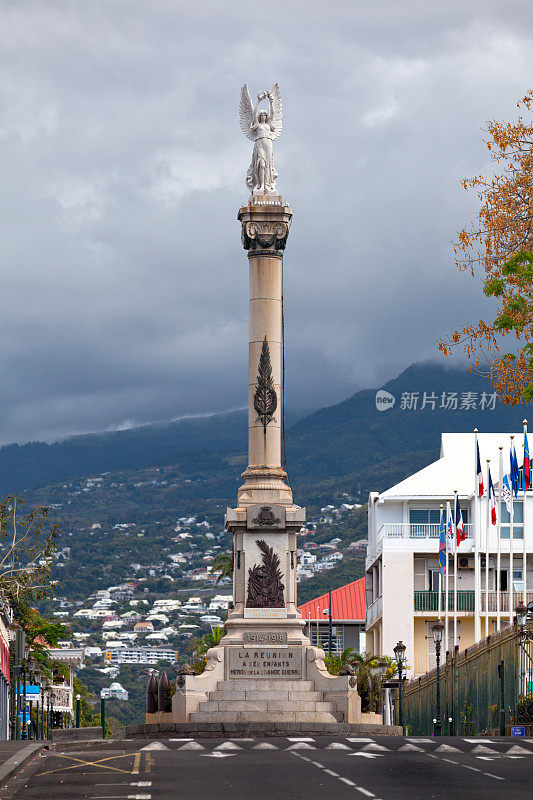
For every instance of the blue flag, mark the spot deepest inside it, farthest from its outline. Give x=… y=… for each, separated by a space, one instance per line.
x=515 y=475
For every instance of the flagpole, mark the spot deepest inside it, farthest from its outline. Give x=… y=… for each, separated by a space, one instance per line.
x=499 y=556
x=446 y=589
x=440 y=573
x=477 y=536
x=455 y=576
x=511 y=586
x=487 y=554
x=524 y=543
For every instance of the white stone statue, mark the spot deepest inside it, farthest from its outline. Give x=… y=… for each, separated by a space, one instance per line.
x=261 y=127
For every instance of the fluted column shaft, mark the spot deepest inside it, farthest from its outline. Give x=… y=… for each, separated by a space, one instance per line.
x=265 y=227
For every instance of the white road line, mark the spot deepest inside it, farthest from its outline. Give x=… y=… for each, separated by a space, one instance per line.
x=300 y=739
x=347 y=781
x=466 y=766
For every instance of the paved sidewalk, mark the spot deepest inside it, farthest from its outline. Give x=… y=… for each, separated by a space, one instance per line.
x=16 y=754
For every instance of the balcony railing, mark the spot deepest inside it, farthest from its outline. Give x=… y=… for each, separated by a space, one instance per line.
x=412 y=530
x=504 y=600
x=429 y=601
x=374 y=611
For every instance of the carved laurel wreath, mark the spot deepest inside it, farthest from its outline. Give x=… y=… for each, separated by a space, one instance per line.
x=265 y=397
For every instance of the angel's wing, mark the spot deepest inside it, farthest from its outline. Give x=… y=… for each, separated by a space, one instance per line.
x=277 y=108
x=246 y=112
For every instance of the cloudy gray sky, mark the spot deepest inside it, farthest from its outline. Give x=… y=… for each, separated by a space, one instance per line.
x=124 y=284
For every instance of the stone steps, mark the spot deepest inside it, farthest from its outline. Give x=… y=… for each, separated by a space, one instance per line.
x=261 y=716
x=247 y=685
x=266 y=705
x=265 y=701
x=266 y=694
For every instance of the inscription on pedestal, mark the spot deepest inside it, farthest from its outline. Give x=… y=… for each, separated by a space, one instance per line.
x=265 y=662
x=265 y=613
x=263 y=638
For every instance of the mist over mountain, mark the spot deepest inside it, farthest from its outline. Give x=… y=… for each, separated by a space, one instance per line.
x=351 y=438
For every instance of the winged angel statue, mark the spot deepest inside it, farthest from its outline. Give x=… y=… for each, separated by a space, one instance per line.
x=261 y=127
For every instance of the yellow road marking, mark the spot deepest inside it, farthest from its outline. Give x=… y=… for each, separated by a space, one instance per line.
x=149 y=762
x=136 y=764
x=98 y=762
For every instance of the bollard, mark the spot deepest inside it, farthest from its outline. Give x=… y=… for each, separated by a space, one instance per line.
x=78 y=704
x=102 y=716
x=163 y=694
x=151 y=694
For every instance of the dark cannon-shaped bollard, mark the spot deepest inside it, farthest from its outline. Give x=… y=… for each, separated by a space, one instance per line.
x=152 y=694
x=164 y=700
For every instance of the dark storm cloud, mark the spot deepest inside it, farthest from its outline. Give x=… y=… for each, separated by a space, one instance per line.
x=124 y=285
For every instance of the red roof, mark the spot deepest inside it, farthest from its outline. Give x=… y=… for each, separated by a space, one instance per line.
x=347 y=603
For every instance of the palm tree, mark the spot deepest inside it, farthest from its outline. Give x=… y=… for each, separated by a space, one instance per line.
x=202 y=645
x=224 y=563
x=364 y=664
x=334 y=664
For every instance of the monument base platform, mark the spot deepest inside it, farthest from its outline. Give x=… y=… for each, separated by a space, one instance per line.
x=259 y=730
x=250 y=683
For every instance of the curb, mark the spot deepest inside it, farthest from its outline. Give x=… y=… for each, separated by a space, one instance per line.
x=14 y=764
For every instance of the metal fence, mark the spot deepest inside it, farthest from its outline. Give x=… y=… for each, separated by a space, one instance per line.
x=482 y=688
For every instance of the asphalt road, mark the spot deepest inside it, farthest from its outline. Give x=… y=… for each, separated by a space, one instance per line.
x=382 y=768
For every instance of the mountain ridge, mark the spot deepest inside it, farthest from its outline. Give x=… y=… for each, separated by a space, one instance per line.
x=338 y=440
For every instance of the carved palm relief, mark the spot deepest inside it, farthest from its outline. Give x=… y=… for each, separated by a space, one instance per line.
x=265 y=588
x=265 y=397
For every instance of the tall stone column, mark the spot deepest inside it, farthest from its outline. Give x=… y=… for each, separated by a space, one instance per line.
x=266 y=521
x=265 y=228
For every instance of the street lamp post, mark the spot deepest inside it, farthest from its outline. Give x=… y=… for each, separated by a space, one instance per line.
x=399 y=653
x=437 y=630
x=330 y=619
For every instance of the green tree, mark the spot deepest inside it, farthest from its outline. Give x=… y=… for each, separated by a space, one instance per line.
x=364 y=663
x=335 y=663
x=224 y=563
x=200 y=646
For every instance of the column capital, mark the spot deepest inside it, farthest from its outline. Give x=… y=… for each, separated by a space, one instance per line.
x=265 y=226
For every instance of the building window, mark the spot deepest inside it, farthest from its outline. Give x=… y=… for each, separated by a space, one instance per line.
x=518 y=581
x=518 y=521
x=322 y=640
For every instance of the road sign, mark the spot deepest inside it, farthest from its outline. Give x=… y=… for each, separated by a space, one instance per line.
x=518 y=730
x=30 y=689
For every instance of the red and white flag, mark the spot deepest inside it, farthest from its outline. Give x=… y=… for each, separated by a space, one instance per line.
x=492 y=501
x=479 y=473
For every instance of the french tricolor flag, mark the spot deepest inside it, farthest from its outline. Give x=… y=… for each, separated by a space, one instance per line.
x=492 y=501
x=459 y=526
x=479 y=473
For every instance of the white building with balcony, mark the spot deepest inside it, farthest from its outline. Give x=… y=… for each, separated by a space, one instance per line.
x=402 y=569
